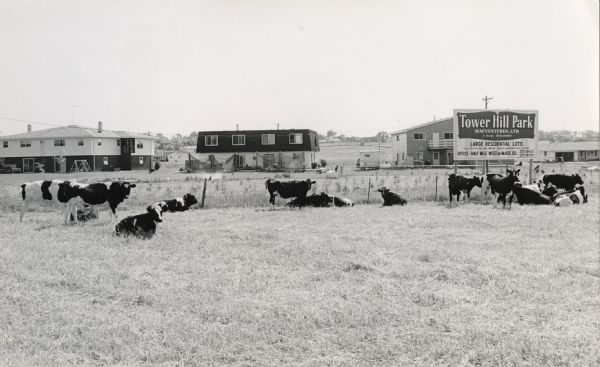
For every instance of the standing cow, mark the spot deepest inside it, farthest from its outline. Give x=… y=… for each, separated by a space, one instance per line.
x=107 y=194
x=56 y=192
x=503 y=185
x=458 y=184
x=288 y=189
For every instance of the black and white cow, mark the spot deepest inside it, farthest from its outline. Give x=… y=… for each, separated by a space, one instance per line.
x=288 y=189
x=528 y=196
x=390 y=198
x=180 y=204
x=577 y=196
x=341 y=202
x=107 y=194
x=502 y=185
x=318 y=201
x=56 y=192
x=563 y=181
x=458 y=184
x=141 y=225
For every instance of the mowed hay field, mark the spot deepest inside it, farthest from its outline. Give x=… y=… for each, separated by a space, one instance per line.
x=239 y=283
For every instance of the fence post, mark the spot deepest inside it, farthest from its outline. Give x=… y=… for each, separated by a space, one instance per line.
x=203 y=194
x=369 y=190
x=530 y=171
x=436 y=181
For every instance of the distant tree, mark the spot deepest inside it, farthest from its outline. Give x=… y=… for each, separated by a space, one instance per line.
x=331 y=133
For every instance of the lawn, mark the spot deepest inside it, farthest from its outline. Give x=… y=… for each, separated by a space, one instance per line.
x=425 y=284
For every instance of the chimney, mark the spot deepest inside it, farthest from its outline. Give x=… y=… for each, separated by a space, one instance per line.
x=28 y=128
x=99 y=126
x=237 y=127
x=278 y=126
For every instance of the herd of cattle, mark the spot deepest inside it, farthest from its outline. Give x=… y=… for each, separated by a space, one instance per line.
x=557 y=189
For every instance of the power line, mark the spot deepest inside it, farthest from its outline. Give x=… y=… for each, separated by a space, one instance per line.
x=31 y=122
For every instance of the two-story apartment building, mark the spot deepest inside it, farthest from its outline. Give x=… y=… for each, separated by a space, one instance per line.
x=257 y=149
x=428 y=143
x=61 y=149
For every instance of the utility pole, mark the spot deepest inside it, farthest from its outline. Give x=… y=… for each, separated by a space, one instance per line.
x=486 y=99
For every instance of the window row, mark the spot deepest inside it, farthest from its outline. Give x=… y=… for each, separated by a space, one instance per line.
x=421 y=136
x=61 y=143
x=265 y=139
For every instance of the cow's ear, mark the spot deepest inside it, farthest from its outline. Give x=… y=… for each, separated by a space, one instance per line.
x=149 y=209
x=131 y=185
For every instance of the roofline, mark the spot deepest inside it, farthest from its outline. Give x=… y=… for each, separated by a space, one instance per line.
x=253 y=131
x=421 y=125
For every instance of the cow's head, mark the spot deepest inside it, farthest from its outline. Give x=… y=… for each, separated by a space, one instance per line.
x=326 y=199
x=513 y=172
x=582 y=190
x=122 y=189
x=310 y=182
x=156 y=211
x=67 y=190
x=451 y=177
x=189 y=200
x=578 y=179
x=478 y=181
x=383 y=190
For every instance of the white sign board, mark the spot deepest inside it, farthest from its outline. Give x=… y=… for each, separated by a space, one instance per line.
x=495 y=134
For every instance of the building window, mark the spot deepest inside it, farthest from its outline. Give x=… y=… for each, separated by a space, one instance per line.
x=367 y=155
x=238 y=139
x=296 y=138
x=398 y=137
x=80 y=142
x=267 y=139
x=211 y=140
x=545 y=154
x=140 y=144
x=118 y=142
x=419 y=136
x=448 y=136
x=436 y=155
x=296 y=155
x=420 y=156
x=402 y=156
x=99 y=142
x=141 y=160
x=25 y=143
x=4 y=144
x=105 y=161
x=59 y=143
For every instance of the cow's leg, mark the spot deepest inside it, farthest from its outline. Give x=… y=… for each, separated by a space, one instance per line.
x=271 y=197
x=26 y=204
x=458 y=197
x=450 y=195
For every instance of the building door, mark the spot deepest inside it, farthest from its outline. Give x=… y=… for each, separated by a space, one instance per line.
x=127 y=147
x=450 y=157
x=436 y=158
x=28 y=165
x=435 y=137
x=268 y=160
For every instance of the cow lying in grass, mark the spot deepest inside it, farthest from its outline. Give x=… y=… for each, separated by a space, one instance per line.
x=141 y=225
x=577 y=196
x=458 y=184
x=180 y=204
x=390 y=198
x=342 y=202
x=528 y=196
x=317 y=201
x=288 y=189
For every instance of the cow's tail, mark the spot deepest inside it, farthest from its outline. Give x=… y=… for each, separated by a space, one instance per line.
x=23 y=190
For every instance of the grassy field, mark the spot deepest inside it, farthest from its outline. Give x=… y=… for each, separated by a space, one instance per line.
x=242 y=284
x=417 y=285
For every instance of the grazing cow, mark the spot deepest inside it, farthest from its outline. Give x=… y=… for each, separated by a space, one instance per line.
x=142 y=225
x=340 y=201
x=503 y=185
x=84 y=214
x=109 y=194
x=527 y=196
x=390 y=198
x=180 y=204
x=55 y=191
x=577 y=196
x=288 y=189
x=458 y=184
x=562 y=181
x=318 y=201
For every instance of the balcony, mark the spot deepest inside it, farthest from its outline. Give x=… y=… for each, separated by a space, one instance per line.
x=440 y=144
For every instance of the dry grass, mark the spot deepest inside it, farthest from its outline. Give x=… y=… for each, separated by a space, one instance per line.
x=417 y=285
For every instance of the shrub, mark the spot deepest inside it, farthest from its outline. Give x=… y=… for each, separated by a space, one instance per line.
x=323 y=163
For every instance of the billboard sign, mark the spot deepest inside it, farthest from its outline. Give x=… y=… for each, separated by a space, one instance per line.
x=495 y=134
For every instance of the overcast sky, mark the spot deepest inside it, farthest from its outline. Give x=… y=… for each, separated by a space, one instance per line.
x=355 y=67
